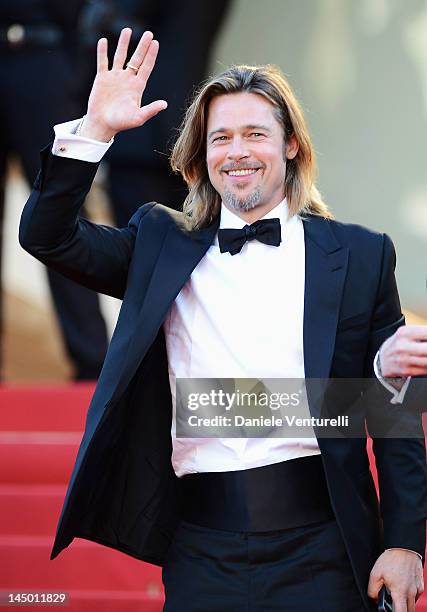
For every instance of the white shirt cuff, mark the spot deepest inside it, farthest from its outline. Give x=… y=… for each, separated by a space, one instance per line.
x=68 y=144
x=398 y=394
x=408 y=550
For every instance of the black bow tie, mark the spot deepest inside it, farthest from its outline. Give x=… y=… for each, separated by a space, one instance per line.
x=264 y=230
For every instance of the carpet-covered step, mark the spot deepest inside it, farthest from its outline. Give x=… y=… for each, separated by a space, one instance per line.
x=30 y=509
x=45 y=408
x=84 y=566
x=37 y=457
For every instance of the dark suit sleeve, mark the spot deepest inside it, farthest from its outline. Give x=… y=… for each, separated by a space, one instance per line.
x=416 y=395
x=400 y=461
x=387 y=316
x=96 y=256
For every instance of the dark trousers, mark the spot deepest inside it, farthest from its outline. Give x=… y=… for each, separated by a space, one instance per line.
x=294 y=570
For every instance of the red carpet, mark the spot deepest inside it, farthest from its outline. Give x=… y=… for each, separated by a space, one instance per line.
x=40 y=429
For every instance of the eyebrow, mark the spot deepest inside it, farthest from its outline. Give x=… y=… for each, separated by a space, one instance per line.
x=251 y=126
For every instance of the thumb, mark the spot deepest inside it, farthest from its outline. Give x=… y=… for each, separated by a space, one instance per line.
x=150 y=110
x=374 y=586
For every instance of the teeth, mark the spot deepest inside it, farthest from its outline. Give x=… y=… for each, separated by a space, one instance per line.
x=242 y=172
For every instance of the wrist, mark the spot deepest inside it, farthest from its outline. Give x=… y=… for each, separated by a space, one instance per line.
x=382 y=365
x=395 y=381
x=90 y=128
x=412 y=552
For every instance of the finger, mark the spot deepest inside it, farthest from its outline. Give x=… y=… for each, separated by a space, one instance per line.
x=122 y=49
x=148 y=64
x=406 y=363
x=399 y=603
x=412 y=371
x=406 y=372
x=416 y=362
x=102 y=55
x=150 y=110
x=409 y=366
x=374 y=586
x=140 y=52
x=408 y=346
x=417 y=348
x=410 y=603
x=414 y=332
x=420 y=585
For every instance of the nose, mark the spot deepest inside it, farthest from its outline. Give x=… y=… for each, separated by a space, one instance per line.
x=238 y=148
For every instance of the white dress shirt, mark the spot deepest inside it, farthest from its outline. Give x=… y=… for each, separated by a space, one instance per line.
x=240 y=316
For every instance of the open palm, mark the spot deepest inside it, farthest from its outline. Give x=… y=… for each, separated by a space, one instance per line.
x=115 y=100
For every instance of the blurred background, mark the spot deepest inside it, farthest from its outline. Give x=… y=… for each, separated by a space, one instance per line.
x=360 y=71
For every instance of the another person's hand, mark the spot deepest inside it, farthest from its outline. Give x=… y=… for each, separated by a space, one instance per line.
x=405 y=352
x=402 y=572
x=115 y=100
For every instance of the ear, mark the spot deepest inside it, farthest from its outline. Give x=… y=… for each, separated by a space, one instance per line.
x=291 y=148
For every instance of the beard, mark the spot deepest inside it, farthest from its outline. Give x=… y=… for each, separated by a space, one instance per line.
x=243 y=204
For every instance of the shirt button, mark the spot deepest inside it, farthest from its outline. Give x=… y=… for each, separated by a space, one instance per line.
x=62 y=149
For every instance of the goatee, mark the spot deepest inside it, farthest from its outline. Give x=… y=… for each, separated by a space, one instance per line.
x=242 y=204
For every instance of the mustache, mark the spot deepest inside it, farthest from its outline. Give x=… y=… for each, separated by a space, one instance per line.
x=242 y=166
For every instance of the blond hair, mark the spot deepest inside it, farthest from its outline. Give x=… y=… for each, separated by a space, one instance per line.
x=188 y=157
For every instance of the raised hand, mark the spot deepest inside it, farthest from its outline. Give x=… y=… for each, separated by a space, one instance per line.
x=115 y=100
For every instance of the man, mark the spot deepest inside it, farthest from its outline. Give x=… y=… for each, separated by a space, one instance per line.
x=262 y=525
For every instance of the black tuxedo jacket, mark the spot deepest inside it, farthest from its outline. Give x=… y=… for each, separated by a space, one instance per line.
x=122 y=490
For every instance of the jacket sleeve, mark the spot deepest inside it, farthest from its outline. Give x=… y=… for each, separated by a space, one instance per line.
x=96 y=256
x=416 y=395
x=398 y=436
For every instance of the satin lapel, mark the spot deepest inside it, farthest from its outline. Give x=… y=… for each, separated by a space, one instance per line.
x=325 y=271
x=181 y=252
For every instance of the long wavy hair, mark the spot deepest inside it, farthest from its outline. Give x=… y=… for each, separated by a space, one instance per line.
x=188 y=157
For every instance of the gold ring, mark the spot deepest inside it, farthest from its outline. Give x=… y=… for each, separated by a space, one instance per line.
x=132 y=67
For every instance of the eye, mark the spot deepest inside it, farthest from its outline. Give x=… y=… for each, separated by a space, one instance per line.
x=256 y=134
x=219 y=138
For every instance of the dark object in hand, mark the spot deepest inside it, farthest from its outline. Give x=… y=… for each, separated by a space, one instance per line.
x=385 y=602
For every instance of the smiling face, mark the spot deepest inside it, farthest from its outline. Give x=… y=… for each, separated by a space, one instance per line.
x=246 y=153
